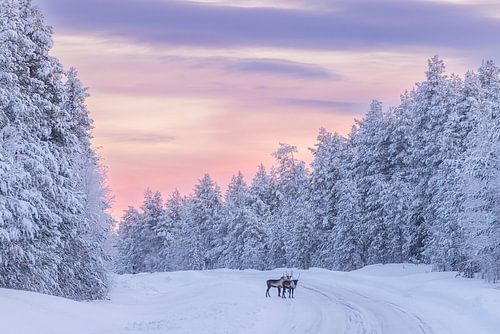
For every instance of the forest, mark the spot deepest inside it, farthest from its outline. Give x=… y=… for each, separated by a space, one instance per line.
x=416 y=183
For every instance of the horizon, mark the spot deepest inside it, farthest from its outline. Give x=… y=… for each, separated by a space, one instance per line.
x=176 y=94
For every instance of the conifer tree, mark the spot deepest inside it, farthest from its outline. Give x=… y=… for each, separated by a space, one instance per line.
x=204 y=220
x=245 y=238
x=52 y=202
x=264 y=204
x=329 y=159
x=482 y=213
x=169 y=231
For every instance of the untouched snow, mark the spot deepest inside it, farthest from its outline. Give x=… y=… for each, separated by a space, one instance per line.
x=377 y=299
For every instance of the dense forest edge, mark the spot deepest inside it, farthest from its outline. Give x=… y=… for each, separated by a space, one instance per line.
x=414 y=183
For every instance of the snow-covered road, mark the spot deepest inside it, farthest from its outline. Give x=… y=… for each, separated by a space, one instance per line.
x=378 y=299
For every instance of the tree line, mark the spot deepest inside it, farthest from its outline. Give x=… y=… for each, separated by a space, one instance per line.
x=418 y=183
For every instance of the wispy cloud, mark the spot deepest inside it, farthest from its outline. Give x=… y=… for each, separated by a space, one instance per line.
x=280 y=67
x=339 y=25
x=334 y=106
x=136 y=137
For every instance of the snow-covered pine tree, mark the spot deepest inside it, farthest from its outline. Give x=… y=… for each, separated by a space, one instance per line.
x=264 y=204
x=188 y=247
x=129 y=255
x=140 y=240
x=427 y=116
x=324 y=194
x=84 y=265
x=31 y=228
x=347 y=238
x=150 y=239
x=372 y=168
x=446 y=249
x=43 y=198
x=396 y=195
x=291 y=236
x=482 y=181
x=169 y=230
x=245 y=238
x=204 y=225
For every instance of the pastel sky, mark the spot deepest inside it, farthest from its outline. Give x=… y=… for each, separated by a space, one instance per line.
x=181 y=88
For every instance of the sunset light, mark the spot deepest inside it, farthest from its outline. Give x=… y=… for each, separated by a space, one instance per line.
x=169 y=107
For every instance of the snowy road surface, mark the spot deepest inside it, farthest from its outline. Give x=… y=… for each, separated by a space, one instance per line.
x=385 y=299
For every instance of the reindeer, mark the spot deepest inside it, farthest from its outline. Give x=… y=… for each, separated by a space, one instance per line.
x=290 y=284
x=275 y=283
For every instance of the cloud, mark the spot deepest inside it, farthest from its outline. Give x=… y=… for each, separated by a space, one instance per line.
x=282 y=67
x=136 y=137
x=339 y=25
x=274 y=67
x=339 y=107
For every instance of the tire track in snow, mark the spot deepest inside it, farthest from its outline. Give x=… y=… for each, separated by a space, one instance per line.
x=302 y=318
x=367 y=315
x=355 y=322
x=424 y=327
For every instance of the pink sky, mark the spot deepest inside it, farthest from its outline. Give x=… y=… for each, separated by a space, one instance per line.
x=167 y=111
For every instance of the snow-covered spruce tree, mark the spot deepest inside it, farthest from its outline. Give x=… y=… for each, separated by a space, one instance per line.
x=446 y=248
x=372 y=168
x=151 y=239
x=264 y=203
x=426 y=115
x=203 y=226
x=324 y=194
x=347 y=238
x=398 y=193
x=245 y=238
x=304 y=238
x=30 y=227
x=141 y=240
x=482 y=181
x=130 y=258
x=187 y=247
x=43 y=198
x=88 y=225
x=169 y=230
x=291 y=236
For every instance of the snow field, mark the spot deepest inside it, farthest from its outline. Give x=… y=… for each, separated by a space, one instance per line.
x=376 y=299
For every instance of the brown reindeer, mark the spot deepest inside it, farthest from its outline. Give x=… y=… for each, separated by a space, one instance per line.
x=290 y=285
x=275 y=283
